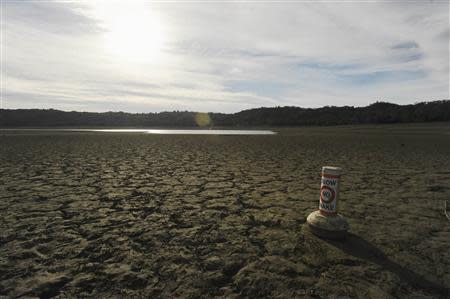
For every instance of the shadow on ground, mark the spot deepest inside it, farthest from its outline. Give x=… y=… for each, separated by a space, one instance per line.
x=362 y=249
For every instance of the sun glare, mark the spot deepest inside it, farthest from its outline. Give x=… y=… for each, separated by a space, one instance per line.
x=133 y=31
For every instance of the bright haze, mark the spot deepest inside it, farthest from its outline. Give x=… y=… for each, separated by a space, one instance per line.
x=141 y=56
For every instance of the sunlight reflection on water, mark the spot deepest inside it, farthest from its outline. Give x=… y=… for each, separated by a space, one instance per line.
x=151 y=131
x=184 y=132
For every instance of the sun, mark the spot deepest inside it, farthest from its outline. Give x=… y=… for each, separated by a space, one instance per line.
x=133 y=31
x=135 y=38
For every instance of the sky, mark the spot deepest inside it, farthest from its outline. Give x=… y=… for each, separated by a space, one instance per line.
x=221 y=56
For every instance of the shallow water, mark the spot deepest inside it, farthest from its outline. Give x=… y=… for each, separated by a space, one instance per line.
x=160 y=131
x=185 y=132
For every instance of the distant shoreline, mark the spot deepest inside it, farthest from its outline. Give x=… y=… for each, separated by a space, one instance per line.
x=283 y=117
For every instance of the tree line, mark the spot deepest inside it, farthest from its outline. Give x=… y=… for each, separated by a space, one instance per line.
x=377 y=113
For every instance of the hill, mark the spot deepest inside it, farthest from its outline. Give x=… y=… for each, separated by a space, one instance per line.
x=377 y=113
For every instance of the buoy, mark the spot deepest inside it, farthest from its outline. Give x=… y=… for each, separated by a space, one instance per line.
x=326 y=222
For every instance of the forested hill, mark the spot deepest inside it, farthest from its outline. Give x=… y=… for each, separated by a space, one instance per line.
x=379 y=112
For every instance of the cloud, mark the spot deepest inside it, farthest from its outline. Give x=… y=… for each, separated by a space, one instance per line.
x=226 y=57
x=377 y=78
x=406 y=45
x=55 y=17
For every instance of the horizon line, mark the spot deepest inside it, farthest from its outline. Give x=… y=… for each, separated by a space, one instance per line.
x=209 y=112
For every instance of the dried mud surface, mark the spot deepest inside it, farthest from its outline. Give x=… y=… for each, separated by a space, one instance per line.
x=130 y=215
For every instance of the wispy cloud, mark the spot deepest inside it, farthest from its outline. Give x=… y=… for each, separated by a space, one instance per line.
x=224 y=56
x=406 y=45
x=64 y=18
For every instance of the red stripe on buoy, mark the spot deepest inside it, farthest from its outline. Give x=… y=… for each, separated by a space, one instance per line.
x=325 y=213
x=330 y=176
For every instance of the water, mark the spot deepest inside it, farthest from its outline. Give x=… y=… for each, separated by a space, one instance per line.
x=184 y=132
x=158 y=131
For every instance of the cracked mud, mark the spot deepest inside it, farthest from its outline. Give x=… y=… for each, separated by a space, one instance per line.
x=131 y=215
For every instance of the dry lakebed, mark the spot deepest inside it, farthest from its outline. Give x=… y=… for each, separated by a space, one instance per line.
x=127 y=214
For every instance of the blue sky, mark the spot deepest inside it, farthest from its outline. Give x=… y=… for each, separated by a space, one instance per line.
x=141 y=56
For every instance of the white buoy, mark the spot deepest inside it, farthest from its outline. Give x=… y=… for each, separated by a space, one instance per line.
x=326 y=222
